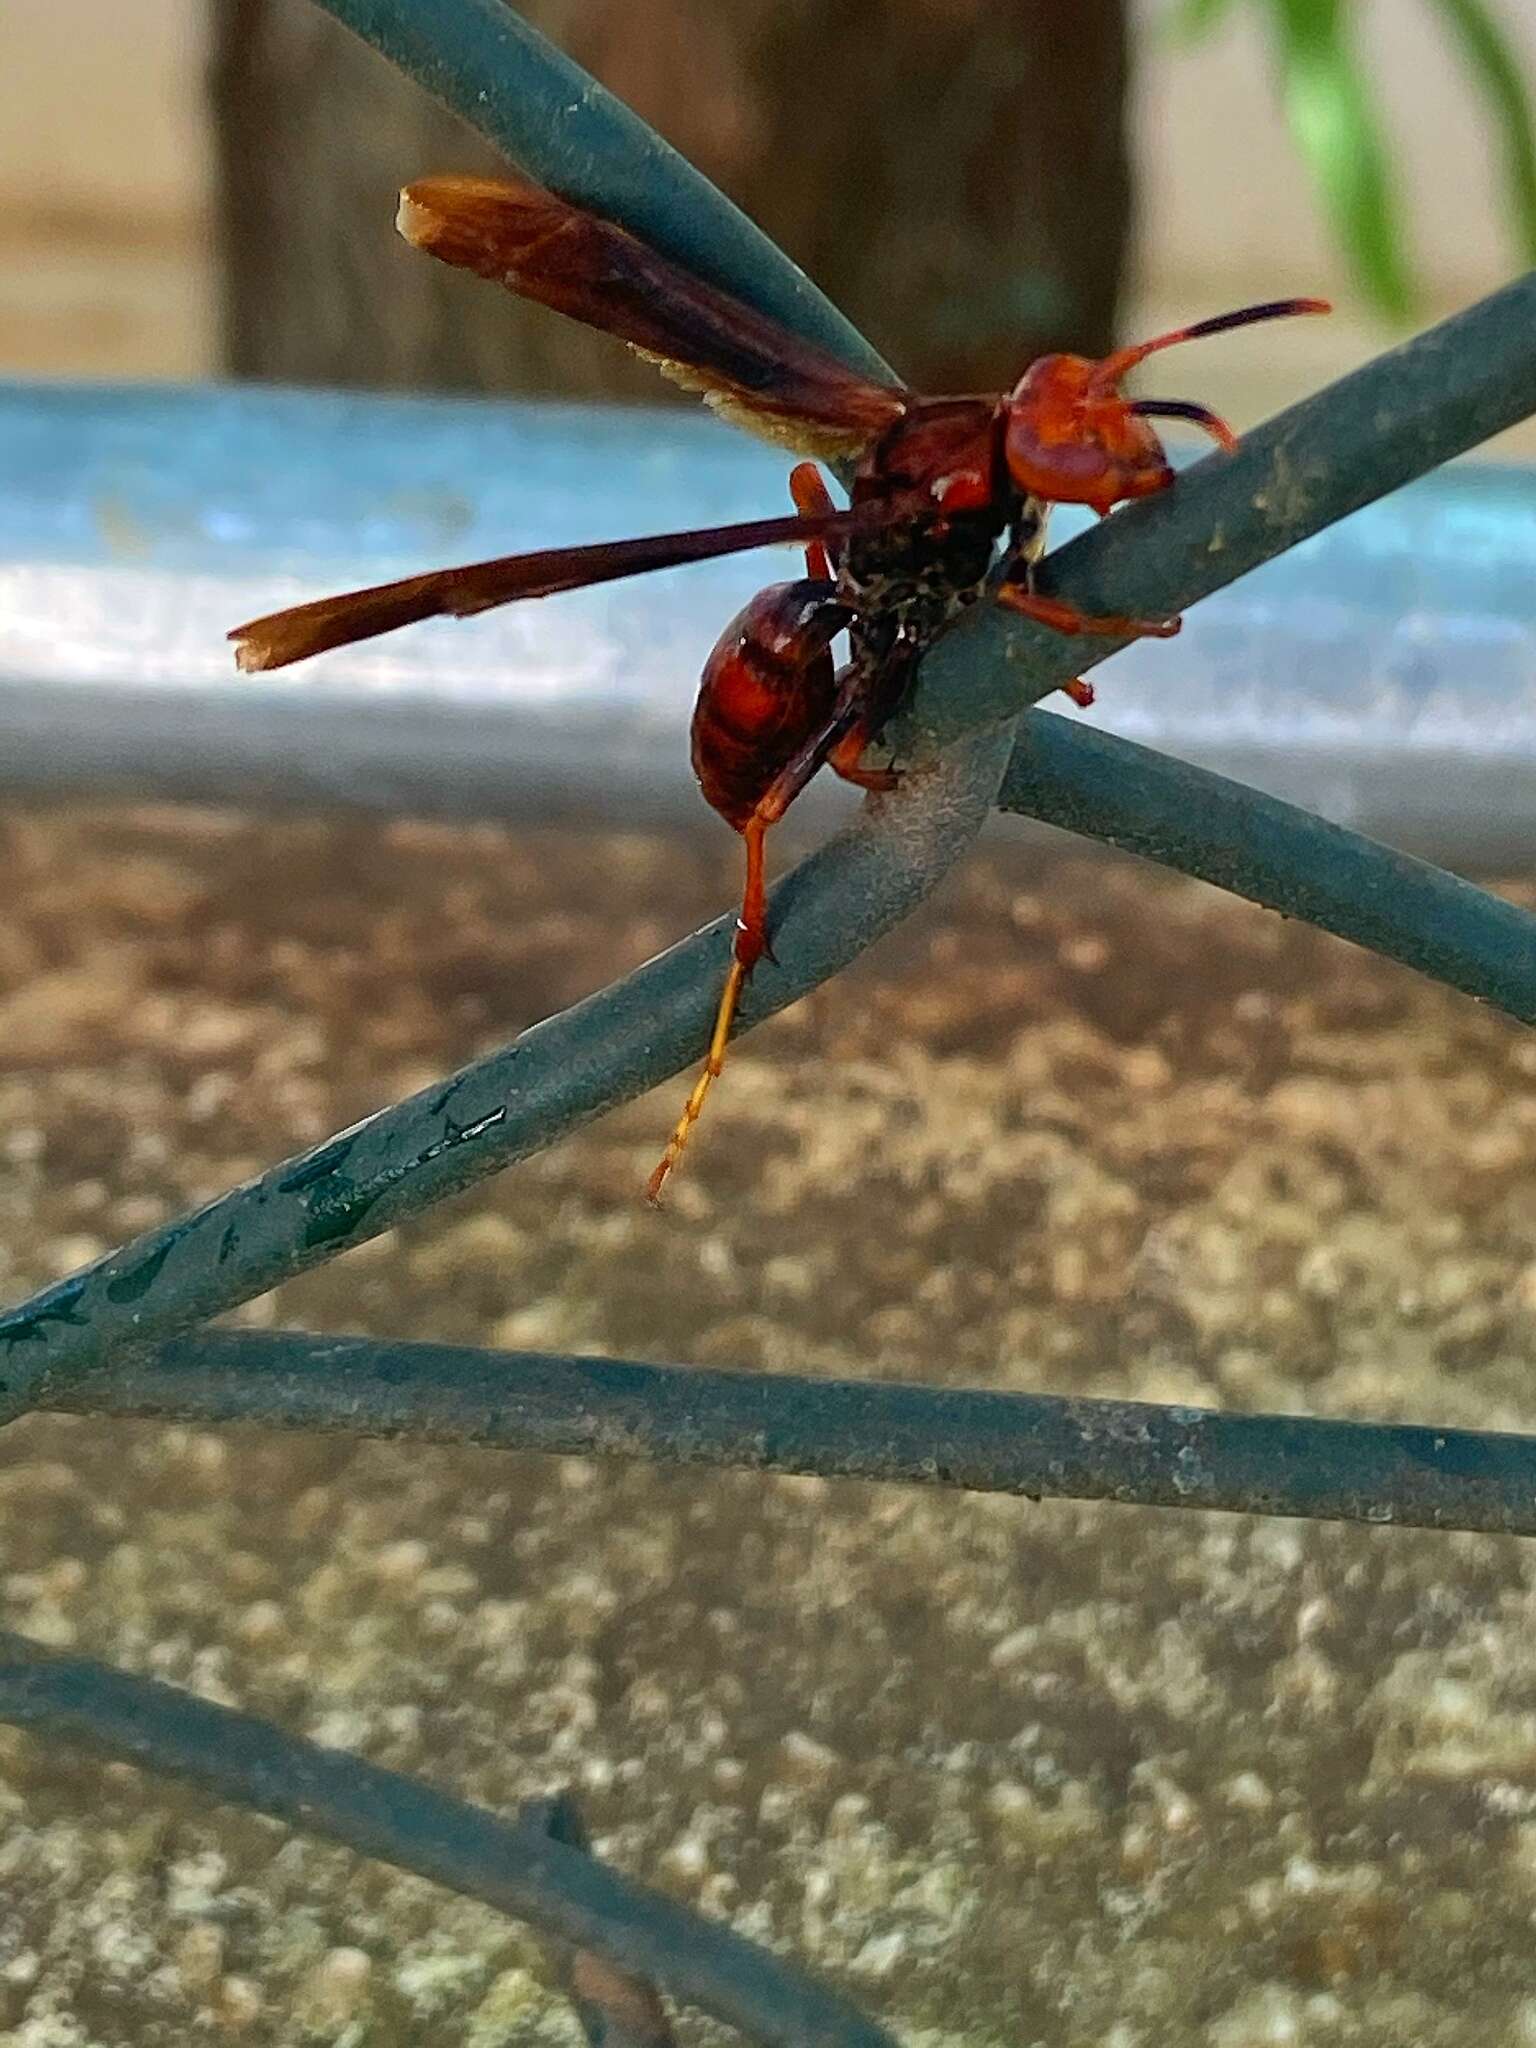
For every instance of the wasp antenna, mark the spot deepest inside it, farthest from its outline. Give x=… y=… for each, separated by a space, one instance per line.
x=1115 y=366
x=1183 y=409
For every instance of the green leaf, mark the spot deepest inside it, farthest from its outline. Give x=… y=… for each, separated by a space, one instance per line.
x=1495 y=70
x=1191 y=20
x=1328 y=107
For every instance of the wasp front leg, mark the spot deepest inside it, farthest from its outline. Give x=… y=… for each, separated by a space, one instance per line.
x=1063 y=617
x=769 y=715
x=1017 y=593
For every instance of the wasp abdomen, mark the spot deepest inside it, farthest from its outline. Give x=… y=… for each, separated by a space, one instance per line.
x=768 y=687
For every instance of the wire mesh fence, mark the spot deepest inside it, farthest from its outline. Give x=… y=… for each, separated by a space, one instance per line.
x=120 y=1337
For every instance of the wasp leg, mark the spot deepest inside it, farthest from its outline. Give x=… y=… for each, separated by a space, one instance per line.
x=1026 y=544
x=752 y=919
x=714 y=1066
x=1062 y=617
x=844 y=760
x=812 y=498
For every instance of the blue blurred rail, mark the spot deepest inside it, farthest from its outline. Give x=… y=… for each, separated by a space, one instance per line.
x=1383 y=673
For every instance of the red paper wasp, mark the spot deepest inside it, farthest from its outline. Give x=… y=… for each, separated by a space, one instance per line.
x=938 y=484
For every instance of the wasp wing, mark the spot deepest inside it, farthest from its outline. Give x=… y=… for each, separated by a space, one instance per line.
x=305 y=629
x=747 y=364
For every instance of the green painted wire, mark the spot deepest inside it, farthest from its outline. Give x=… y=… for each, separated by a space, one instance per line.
x=1276 y=854
x=1403 y=414
x=1284 y=485
x=559 y=125
x=1041 y=1445
x=1223 y=832
x=518 y=1869
x=544 y=111
x=556 y=1076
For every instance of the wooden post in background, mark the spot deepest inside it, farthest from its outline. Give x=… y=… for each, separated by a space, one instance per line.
x=952 y=172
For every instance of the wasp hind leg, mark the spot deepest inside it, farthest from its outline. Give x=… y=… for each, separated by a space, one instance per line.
x=841 y=728
x=751 y=944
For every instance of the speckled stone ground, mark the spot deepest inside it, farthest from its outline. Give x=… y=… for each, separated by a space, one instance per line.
x=1011 y=1774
